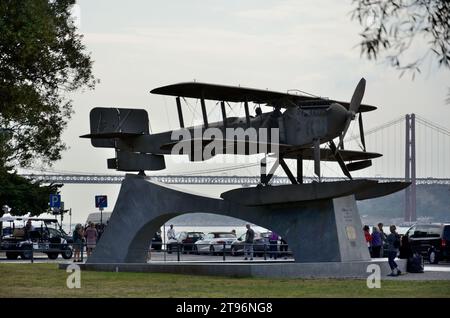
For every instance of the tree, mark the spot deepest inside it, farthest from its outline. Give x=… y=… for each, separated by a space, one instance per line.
x=42 y=58
x=23 y=195
x=396 y=27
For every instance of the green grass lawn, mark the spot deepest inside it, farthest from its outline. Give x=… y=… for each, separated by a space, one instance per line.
x=46 y=280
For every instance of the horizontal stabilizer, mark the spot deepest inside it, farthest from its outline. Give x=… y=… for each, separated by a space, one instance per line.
x=108 y=135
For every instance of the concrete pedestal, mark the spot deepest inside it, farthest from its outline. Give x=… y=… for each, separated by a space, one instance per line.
x=359 y=269
x=316 y=231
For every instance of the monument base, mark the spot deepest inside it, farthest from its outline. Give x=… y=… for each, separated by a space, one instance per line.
x=356 y=269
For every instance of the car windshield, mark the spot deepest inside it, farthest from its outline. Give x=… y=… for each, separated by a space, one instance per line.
x=195 y=235
x=426 y=231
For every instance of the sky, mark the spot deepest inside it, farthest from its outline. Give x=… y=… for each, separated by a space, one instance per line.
x=310 y=45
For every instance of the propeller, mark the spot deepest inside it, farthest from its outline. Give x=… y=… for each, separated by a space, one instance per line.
x=353 y=109
x=361 y=132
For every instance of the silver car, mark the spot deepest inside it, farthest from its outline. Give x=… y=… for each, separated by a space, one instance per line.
x=214 y=242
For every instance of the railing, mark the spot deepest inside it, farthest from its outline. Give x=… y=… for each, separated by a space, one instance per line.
x=193 y=252
x=158 y=251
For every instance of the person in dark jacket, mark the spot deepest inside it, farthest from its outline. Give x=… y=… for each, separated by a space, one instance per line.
x=376 y=242
x=249 y=238
x=383 y=238
x=78 y=237
x=393 y=241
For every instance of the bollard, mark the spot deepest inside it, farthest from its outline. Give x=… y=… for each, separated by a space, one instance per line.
x=223 y=250
x=178 y=252
x=32 y=255
x=265 y=251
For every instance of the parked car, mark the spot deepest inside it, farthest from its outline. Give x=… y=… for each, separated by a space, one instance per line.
x=432 y=241
x=157 y=241
x=185 y=241
x=43 y=239
x=214 y=242
x=260 y=243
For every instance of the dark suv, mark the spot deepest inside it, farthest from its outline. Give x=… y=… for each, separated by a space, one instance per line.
x=432 y=241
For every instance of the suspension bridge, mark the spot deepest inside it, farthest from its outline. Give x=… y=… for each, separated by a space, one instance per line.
x=414 y=149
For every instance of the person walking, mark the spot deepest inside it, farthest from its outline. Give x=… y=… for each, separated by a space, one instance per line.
x=91 y=235
x=171 y=235
x=393 y=241
x=77 y=242
x=249 y=238
x=383 y=238
x=376 y=242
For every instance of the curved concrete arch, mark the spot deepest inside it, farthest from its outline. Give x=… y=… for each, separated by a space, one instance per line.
x=319 y=231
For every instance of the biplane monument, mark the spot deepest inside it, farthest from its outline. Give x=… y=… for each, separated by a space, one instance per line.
x=319 y=220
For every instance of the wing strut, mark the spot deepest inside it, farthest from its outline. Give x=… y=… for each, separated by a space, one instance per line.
x=265 y=179
x=205 y=115
x=180 y=112
x=339 y=159
x=287 y=171
x=300 y=168
x=224 y=114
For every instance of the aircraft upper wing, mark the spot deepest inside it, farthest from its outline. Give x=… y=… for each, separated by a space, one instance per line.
x=242 y=94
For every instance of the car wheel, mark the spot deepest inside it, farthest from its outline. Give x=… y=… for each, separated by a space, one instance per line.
x=52 y=255
x=433 y=257
x=211 y=250
x=10 y=255
x=67 y=254
x=195 y=250
x=233 y=251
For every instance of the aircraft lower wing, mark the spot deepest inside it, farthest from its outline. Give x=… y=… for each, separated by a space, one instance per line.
x=328 y=155
x=222 y=146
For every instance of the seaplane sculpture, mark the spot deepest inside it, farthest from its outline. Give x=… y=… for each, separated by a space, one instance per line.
x=295 y=129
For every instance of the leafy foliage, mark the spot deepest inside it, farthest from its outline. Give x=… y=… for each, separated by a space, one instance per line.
x=41 y=59
x=395 y=27
x=22 y=195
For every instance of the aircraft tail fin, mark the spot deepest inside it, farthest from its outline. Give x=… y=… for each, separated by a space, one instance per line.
x=107 y=124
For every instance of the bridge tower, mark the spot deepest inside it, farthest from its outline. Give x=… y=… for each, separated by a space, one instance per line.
x=410 y=168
